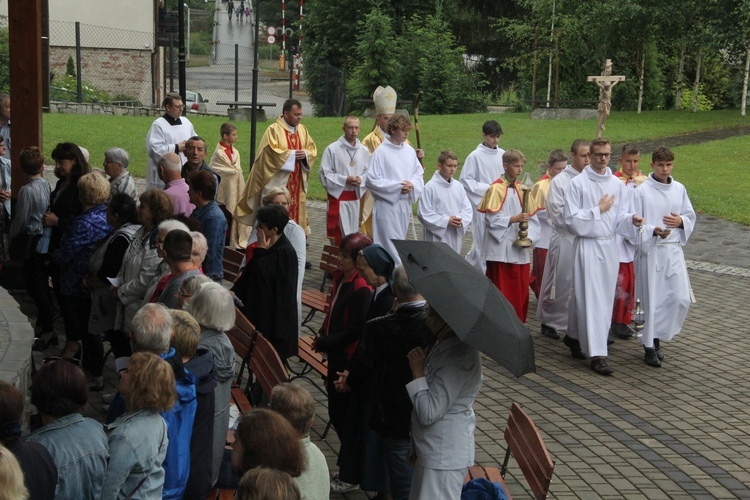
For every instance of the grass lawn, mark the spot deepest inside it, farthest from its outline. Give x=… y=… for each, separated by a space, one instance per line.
x=462 y=133
x=716 y=176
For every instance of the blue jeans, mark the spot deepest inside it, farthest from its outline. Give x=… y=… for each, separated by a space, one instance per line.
x=379 y=448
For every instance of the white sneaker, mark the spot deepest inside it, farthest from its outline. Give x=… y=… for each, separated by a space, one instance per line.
x=338 y=486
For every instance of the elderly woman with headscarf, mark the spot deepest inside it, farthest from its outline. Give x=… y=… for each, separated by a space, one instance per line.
x=446 y=382
x=376 y=266
x=213 y=309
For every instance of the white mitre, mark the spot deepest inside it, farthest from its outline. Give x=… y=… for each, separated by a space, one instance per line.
x=385 y=100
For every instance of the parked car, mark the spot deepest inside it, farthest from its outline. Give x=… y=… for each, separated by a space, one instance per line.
x=194 y=102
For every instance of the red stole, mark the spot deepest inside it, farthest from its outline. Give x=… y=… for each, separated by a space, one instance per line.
x=294 y=185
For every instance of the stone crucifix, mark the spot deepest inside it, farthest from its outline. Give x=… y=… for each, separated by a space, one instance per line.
x=606 y=81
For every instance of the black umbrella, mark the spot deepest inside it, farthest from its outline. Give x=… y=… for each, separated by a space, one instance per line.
x=469 y=302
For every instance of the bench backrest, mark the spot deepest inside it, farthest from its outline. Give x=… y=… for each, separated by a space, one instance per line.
x=526 y=444
x=242 y=335
x=231 y=261
x=267 y=366
x=329 y=261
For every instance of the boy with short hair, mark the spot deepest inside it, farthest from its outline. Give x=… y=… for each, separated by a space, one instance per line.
x=444 y=208
x=597 y=206
x=482 y=167
x=226 y=163
x=556 y=162
x=622 y=312
x=507 y=264
x=669 y=222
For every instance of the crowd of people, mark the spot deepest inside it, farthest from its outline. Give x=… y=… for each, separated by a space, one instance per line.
x=144 y=272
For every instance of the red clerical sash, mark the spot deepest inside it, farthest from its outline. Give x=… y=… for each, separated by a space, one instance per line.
x=294 y=185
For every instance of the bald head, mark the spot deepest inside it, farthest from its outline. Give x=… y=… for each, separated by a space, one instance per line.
x=169 y=167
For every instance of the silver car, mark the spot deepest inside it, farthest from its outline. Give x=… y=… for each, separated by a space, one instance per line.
x=194 y=102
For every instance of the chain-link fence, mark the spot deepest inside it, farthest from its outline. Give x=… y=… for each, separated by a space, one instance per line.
x=115 y=65
x=137 y=68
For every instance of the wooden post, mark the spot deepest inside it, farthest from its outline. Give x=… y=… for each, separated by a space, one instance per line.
x=25 y=47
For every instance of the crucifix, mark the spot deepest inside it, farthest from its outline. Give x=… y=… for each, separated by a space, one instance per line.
x=606 y=81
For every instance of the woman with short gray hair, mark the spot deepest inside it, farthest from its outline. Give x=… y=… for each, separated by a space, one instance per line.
x=116 y=161
x=213 y=309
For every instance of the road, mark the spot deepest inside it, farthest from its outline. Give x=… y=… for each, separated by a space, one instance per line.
x=216 y=82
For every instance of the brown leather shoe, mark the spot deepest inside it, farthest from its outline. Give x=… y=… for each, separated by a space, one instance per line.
x=575 y=347
x=599 y=366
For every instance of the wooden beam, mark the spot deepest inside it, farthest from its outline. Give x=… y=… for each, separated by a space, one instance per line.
x=25 y=43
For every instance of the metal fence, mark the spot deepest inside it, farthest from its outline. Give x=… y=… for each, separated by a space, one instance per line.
x=99 y=64
x=104 y=65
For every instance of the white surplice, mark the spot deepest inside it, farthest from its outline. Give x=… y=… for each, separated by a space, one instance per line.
x=662 y=278
x=341 y=160
x=162 y=138
x=500 y=233
x=557 y=282
x=390 y=165
x=482 y=167
x=595 y=259
x=440 y=201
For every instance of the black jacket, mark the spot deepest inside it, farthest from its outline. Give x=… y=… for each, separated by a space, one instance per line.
x=387 y=340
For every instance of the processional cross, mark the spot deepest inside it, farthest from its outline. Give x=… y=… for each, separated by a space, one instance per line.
x=606 y=81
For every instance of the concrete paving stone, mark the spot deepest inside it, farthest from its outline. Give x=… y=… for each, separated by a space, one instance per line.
x=654 y=494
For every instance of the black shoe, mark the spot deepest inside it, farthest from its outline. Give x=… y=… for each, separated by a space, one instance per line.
x=308 y=265
x=610 y=341
x=549 y=332
x=600 y=367
x=657 y=348
x=621 y=331
x=41 y=345
x=575 y=347
x=651 y=358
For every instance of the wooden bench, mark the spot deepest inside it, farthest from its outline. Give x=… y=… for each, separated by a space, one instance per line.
x=312 y=361
x=242 y=336
x=526 y=445
x=489 y=473
x=319 y=300
x=266 y=366
x=232 y=262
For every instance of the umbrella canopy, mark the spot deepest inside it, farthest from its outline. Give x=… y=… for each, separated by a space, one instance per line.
x=469 y=302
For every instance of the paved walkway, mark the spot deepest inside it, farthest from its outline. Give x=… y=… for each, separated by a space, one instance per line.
x=679 y=431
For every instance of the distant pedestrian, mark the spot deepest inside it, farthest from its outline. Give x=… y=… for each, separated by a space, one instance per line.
x=230 y=10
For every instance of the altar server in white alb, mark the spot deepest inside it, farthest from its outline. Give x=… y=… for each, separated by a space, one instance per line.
x=482 y=167
x=444 y=208
x=557 y=280
x=556 y=162
x=394 y=178
x=342 y=173
x=597 y=206
x=167 y=134
x=662 y=275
